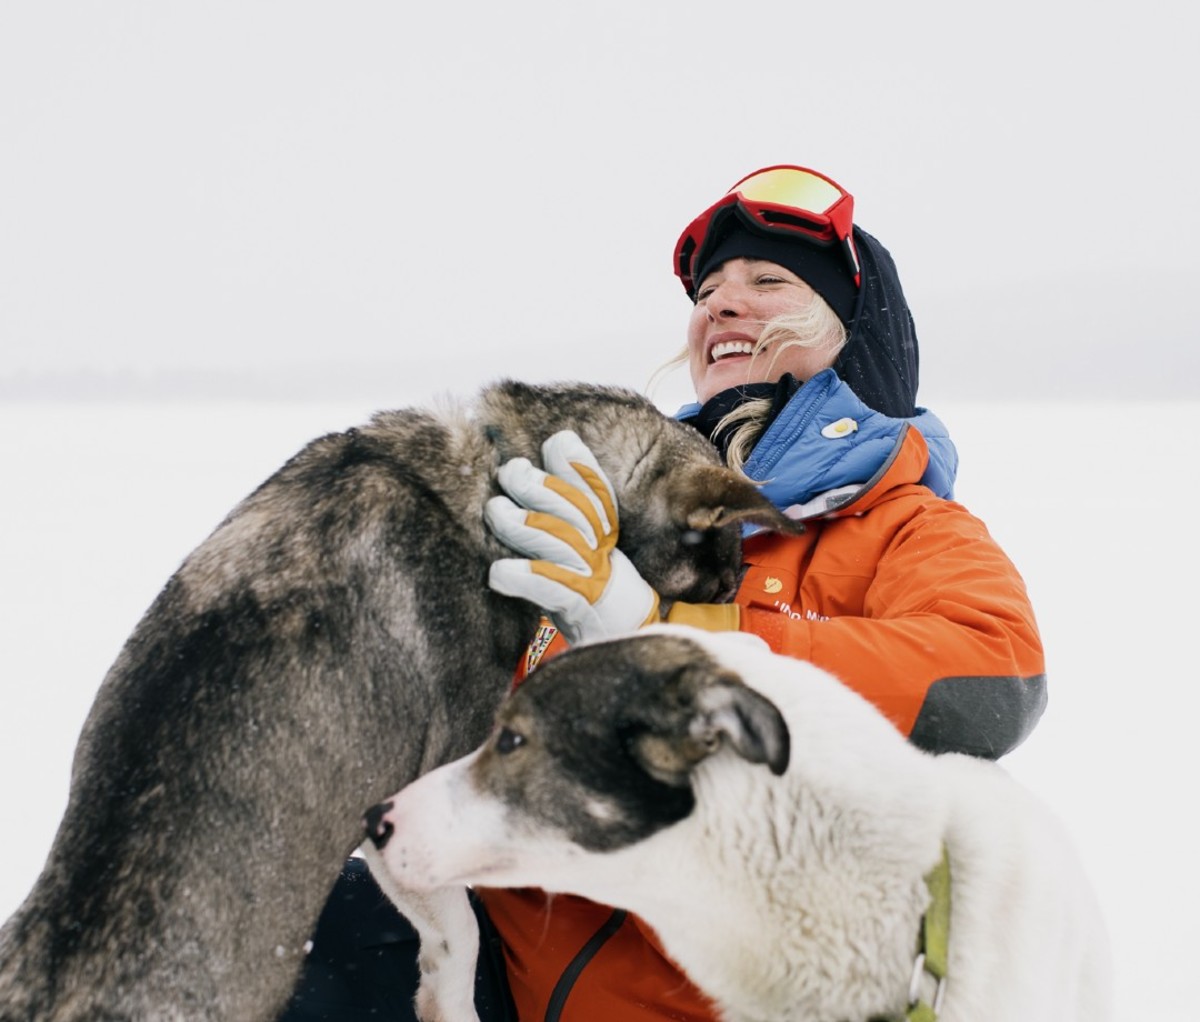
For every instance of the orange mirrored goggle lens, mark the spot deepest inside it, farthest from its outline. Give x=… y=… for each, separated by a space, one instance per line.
x=777 y=199
x=790 y=186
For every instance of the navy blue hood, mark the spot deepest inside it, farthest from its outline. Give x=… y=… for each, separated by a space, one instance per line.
x=880 y=360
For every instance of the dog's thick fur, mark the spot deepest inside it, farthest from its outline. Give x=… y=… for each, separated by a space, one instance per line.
x=333 y=639
x=628 y=772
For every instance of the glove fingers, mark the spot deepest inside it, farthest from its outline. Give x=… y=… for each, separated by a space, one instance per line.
x=569 y=458
x=534 y=489
x=544 y=537
x=515 y=577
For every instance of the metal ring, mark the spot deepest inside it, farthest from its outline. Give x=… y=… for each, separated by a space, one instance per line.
x=914 y=984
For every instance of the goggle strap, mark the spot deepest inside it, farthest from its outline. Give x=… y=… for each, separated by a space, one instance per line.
x=852 y=255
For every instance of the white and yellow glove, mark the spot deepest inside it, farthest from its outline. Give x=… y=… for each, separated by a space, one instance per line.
x=565 y=522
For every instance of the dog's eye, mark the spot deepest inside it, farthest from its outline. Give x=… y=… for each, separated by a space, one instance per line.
x=692 y=537
x=508 y=741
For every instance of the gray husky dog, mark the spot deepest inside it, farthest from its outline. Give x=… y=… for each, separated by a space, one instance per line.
x=333 y=639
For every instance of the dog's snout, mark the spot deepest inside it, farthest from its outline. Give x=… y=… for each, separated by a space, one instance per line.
x=728 y=581
x=378 y=829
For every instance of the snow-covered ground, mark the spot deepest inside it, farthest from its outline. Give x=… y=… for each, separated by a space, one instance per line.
x=100 y=502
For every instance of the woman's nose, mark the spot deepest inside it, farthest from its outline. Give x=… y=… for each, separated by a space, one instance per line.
x=726 y=301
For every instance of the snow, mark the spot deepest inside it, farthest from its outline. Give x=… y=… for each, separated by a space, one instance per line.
x=102 y=501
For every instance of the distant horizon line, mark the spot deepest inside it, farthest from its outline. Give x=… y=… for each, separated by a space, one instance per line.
x=371 y=381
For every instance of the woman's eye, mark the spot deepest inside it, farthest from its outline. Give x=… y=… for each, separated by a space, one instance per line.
x=508 y=741
x=702 y=294
x=768 y=279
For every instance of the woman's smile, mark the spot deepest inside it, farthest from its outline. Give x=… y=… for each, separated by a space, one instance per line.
x=729 y=345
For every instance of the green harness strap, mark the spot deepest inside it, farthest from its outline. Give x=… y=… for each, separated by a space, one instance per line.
x=933 y=954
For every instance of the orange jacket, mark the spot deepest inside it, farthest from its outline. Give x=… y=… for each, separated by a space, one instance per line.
x=905 y=597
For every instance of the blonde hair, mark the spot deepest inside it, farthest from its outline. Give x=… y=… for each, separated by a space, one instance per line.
x=814 y=326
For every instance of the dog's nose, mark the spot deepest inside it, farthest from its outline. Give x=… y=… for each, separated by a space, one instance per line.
x=726 y=585
x=378 y=829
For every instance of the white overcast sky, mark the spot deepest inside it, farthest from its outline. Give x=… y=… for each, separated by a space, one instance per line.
x=299 y=199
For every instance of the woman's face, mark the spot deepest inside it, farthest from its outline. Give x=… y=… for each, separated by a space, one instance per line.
x=733 y=304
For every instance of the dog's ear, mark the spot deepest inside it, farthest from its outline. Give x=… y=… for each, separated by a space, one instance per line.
x=716 y=496
x=721 y=710
x=748 y=721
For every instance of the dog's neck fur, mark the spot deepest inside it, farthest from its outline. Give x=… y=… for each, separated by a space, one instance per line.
x=804 y=851
x=598 y=424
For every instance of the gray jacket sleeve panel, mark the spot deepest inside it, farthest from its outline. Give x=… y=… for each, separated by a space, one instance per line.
x=984 y=717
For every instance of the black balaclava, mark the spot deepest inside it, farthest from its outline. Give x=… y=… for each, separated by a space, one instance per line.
x=880 y=361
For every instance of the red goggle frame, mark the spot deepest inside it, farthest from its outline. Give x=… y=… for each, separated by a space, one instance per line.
x=776 y=200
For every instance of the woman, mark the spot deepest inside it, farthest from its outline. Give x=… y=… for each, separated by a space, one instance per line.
x=804 y=359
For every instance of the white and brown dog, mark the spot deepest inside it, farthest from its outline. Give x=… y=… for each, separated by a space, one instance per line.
x=715 y=788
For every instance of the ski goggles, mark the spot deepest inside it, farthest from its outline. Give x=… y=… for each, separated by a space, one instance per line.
x=778 y=201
